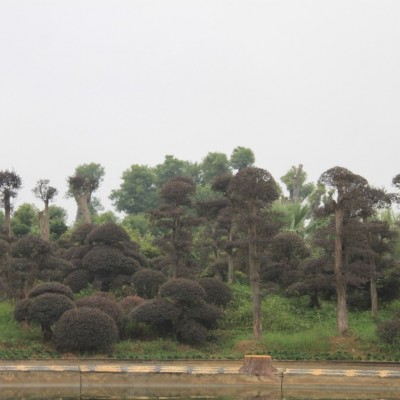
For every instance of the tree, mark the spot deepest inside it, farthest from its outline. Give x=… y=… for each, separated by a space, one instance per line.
x=241 y=158
x=46 y=193
x=173 y=167
x=295 y=180
x=57 y=221
x=175 y=219
x=349 y=189
x=138 y=191
x=252 y=190
x=213 y=165
x=82 y=185
x=24 y=220
x=10 y=183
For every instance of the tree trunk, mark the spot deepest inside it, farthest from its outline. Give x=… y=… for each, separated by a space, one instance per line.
x=258 y=366
x=7 y=216
x=44 y=222
x=254 y=267
x=230 y=260
x=83 y=212
x=342 y=322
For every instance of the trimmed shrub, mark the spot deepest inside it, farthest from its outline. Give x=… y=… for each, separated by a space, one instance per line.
x=79 y=252
x=21 y=310
x=160 y=314
x=5 y=248
x=128 y=265
x=147 y=282
x=51 y=287
x=182 y=291
x=85 y=329
x=389 y=331
x=109 y=234
x=78 y=279
x=46 y=309
x=31 y=247
x=191 y=332
x=206 y=314
x=105 y=304
x=129 y=303
x=103 y=260
x=79 y=234
x=217 y=292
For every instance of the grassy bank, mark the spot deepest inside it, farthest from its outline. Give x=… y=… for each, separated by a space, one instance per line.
x=292 y=331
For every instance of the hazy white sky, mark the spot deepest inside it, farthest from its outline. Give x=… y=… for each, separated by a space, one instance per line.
x=126 y=82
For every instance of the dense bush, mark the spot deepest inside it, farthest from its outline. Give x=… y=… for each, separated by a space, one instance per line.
x=46 y=309
x=109 y=233
x=85 y=329
x=206 y=314
x=147 y=282
x=129 y=303
x=389 y=331
x=51 y=287
x=217 y=292
x=21 y=310
x=102 y=259
x=105 y=304
x=191 y=332
x=183 y=291
x=160 y=314
x=78 y=279
x=31 y=247
x=78 y=235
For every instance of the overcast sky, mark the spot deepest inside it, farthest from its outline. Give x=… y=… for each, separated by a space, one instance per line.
x=127 y=82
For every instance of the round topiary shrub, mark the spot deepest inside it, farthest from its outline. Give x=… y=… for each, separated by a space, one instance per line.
x=129 y=303
x=79 y=234
x=21 y=310
x=147 y=282
x=85 y=329
x=78 y=279
x=51 y=287
x=103 y=260
x=191 y=332
x=182 y=291
x=46 y=309
x=389 y=331
x=160 y=314
x=31 y=247
x=109 y=234
x=206 y=314
x=105 y=304
x=217 y=292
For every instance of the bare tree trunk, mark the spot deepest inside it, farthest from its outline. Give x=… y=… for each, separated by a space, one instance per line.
x=372 y=273
x=83 y=212
x=44 y=222
x=342 y=322
x=254 y=266
x=7 y=216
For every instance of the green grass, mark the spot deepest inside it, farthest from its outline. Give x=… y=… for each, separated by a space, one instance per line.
x=291 y=330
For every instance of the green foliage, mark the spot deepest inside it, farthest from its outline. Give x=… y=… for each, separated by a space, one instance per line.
x=85 y=329
x=25 y=220
x=241 y=158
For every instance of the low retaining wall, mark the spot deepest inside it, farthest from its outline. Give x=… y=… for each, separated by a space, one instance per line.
x=102 y=379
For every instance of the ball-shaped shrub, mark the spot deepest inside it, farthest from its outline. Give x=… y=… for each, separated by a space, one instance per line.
x=31 y=247
x=191 y=332
x=21 y=310
x=85 y=329
x=182 y=291
x=109 y=234
x=78 y=279
x=128 y=265
x=156 y=312
x=103 y=259
x=78 y=252
x=105 y=304
x=217 y=292
x=51 y=287
x=48 y=307
x=79 y=234
x=147 y=282
x=389 y=331
x=129 y=303
x=5 y=248
x=206 y=314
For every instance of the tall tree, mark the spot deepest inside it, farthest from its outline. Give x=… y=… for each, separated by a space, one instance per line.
x=295 y=181
x=25 y=220
x=82 y=185
x=349 y=189
x=46 y=193
x=172 y=167
x=242 y=157
x=138 y=191
x=10 y=183
x=214 y=164
x=252 y=190
x=174 y=217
